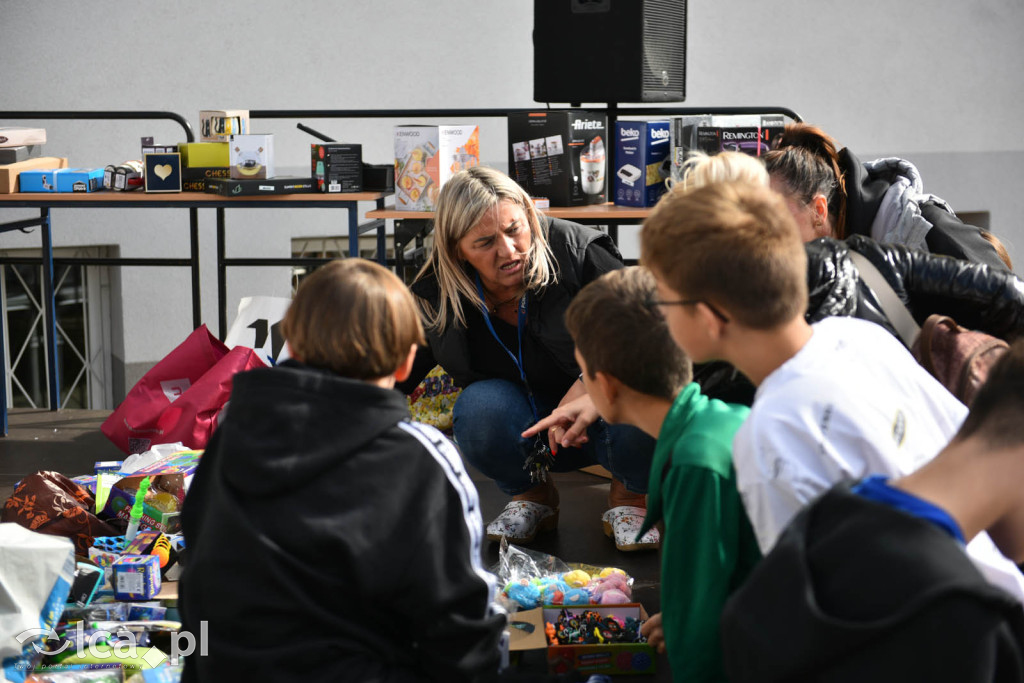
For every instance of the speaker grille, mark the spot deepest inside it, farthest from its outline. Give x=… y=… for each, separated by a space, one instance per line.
x=664 y=51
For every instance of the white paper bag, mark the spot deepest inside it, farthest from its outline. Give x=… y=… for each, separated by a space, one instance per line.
x=257 y=326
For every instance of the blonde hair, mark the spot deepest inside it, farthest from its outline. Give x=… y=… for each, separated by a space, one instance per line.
x=353 y=317
x=702 y=169
x=463 y=202
x=733 y=244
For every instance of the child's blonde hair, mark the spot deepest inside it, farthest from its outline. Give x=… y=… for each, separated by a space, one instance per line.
x=732 y=244
x=353 y=317
x=702 y=169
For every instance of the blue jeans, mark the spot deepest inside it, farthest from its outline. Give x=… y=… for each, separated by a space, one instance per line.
x=489 y=416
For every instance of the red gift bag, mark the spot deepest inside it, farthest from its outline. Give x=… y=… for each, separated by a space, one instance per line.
x=180 y=397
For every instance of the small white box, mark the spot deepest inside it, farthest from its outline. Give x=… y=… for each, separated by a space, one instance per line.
x=251 y=156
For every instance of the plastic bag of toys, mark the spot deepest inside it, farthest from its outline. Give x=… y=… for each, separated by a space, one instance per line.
x=531 y=579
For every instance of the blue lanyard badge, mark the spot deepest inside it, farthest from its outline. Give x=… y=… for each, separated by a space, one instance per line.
x=517 y=359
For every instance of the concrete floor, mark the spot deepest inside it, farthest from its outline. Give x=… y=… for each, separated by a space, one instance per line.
x=70 y=442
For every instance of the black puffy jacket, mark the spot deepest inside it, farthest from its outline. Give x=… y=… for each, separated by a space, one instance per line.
x=977 y=296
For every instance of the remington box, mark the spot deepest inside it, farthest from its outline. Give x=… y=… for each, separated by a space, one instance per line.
x=560 y=155
x=9 y=173
x=641 y=149
x=337 y=167
x=251 y=156
x=426 y=157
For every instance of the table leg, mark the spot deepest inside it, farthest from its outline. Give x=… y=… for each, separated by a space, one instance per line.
x=222 y=279
x=50 y=313
x=353 y=231
x=197 y=307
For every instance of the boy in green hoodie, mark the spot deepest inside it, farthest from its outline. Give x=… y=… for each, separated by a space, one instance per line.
x=637 y=375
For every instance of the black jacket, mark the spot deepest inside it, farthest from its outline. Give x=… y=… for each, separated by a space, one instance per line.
x=858 y=591
x=976 y=296
x=569 y=243
x=330 y=539
x=865 y=191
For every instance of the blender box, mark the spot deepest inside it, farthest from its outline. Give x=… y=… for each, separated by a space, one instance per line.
x=251 y=156
x=560 y=155
x=426 y=157
x=641 y=148
x=336 y=166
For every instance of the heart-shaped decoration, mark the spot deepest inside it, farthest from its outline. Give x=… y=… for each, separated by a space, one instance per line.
x=162 y=171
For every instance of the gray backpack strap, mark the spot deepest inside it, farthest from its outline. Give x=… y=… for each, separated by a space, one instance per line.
x=894 y=309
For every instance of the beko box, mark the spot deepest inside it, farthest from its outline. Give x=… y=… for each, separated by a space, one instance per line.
x=641 y=148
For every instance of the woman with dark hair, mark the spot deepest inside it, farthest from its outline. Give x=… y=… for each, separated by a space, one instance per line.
x=831 y=193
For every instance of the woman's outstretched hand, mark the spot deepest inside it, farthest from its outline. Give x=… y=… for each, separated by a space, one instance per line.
x=567 y=424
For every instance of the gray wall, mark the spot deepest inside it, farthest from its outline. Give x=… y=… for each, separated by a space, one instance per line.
x=937 y=83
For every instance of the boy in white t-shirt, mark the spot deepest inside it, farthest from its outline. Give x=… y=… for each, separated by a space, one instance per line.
x=838 y=400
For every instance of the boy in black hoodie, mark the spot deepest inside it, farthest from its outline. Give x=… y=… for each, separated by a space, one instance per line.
x=871 y=583
x=330 y=538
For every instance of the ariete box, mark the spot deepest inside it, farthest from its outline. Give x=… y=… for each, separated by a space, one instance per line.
x=641 y=148
x=426 y=157
x=560 y=155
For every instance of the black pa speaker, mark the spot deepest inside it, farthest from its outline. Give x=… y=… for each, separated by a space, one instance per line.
x=609 y=50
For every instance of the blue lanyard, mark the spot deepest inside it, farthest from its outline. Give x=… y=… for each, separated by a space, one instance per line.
x=516 y=360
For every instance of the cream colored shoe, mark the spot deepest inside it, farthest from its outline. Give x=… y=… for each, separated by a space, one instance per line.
x=622 y=524
x=521 y=520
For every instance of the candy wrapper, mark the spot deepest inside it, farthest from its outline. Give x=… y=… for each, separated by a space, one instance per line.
x=531 y=579
x=432 y=401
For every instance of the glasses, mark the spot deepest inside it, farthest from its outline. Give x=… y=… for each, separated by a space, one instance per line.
x=689 y=302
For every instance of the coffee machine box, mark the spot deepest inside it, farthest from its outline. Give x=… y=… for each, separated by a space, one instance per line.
x=560 y=155
x=426 y=157
x=641 y=148
x=251 y=156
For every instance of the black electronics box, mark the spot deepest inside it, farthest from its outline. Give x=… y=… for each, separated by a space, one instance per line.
x=234 y=187
x=378 y=177
x=337 y=166
x=560 y=155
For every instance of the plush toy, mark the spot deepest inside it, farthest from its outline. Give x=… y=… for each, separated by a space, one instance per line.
x=618 y=582
x=613 y=596
x=554 y=592
x=524 y=592
x=576 y=578
x=577 y=596
x=608 y=571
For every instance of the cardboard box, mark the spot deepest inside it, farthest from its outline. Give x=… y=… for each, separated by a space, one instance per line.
x=251 y=156
x=162 y=172
x=337 y=167
x=62 y=180
x=641 y=149
x=170 y=477
x=606 y=658
x=12 y=155
x=231 y=187
x=9 y=173
x=560 y=155
x=136 y=577
x=218 y=125
x=150 y=147
x=17 y=136
x=204 y=155
x=426 y=157
x=683 y=140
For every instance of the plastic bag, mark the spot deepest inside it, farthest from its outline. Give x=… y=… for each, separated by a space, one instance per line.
x=531 y=579
x=180 y=397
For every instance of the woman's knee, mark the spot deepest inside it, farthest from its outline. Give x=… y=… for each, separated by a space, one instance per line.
x=490 y=415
